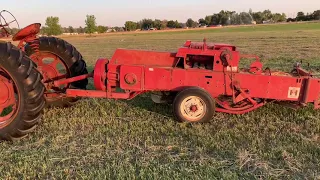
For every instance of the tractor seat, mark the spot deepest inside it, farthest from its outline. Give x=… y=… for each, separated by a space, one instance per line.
x=30 y=30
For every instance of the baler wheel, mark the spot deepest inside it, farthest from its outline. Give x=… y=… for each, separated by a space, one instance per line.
x=21 y=96
x=193 y=105
x=65 y=61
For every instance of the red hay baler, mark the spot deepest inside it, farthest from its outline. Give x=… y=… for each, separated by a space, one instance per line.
x=199 y=79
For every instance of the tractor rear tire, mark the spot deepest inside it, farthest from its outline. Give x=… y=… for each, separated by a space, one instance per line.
x=193 y=105
x=22 y=73
x=72 y=59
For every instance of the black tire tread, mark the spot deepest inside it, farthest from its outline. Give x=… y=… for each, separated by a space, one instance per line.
x=28 y=80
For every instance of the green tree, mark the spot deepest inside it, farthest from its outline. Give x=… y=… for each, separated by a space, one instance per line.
x=245 y=18
x=208 y=20
x=190 y=23
x=224 y=17
x=301 y=16
x=164 y=24
x=52 y=26
x=277 y=17
x=91 y=26
x=118 y=29
x=309 y=17
x=177 y=24
x=316 y=15
x=202 y=22
x=267 y=15
x=130 y=26
x=214 y=19
x=235 y=19
x=139 y=25
x=101 y=29
x=174 y=24
x=283 y=17
x=64 y=30
x=157 y=24
x=147 y=24
x=258 y=17
x=71 y=29
x=171 y=24
x=80 y=30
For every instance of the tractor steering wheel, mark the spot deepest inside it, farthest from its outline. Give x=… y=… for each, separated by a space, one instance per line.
x=4 y=24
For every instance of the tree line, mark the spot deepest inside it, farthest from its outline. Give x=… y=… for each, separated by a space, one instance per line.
x=301 y=16
x=223 y=18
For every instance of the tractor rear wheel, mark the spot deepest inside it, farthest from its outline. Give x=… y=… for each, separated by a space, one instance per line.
x=193 y=105
x=21 y=96
x=57 y=59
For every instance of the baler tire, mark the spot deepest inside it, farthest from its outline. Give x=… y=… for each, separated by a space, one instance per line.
x=71 y=57
x=207 y=100
x=30 y=89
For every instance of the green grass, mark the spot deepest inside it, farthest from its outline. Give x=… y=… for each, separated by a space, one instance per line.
x=108 y=139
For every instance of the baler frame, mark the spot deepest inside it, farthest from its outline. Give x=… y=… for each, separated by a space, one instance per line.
x=239 y=100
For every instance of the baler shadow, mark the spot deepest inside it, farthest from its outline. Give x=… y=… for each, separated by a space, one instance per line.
x=144 y=102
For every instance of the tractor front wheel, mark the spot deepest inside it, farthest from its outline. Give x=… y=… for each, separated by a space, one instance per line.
x=21 y=93
x=193 y=105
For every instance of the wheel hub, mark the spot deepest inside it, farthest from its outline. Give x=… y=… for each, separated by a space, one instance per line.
x=193 y=108
x=4 y=96
x=50 y=65
x=7 y=98
x=52 y=68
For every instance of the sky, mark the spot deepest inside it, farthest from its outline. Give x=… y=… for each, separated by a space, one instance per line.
x=116 y=12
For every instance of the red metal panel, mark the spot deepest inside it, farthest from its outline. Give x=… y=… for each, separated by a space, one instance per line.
x=158 y=78
x=311 y=90
x=271 y=87
x=140 y=57
x=131 y=78
x=213 y=82
x=178 y=80
x=175 y=79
